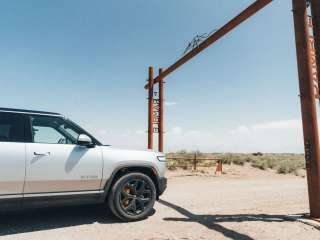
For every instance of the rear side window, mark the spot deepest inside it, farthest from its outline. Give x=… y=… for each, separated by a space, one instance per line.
x=12 y=127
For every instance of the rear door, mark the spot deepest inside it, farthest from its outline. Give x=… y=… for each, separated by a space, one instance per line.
x=55 y=163
x=12 y=154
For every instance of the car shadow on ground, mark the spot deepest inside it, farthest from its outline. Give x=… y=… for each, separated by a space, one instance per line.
x=53 y=218
x=212 y=221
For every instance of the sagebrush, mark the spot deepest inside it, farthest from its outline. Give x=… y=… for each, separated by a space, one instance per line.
x=283 y=163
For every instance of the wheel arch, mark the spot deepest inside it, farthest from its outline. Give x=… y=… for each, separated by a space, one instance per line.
x=123 y=170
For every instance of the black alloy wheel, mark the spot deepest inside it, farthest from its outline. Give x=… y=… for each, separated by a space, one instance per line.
x=132 y=197
x=136 y=196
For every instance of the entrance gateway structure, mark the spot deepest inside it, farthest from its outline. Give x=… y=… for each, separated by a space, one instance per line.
x=306 y=15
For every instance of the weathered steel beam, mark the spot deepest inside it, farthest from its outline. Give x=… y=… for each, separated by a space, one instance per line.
x=247 y=13
x=308 y=104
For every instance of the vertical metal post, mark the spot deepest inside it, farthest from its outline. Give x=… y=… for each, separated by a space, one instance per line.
x=150 y=109
x=308 y=105
x=315 y=12
x=161 y=131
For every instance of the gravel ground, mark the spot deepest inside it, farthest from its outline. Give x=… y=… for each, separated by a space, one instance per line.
x=244 y=203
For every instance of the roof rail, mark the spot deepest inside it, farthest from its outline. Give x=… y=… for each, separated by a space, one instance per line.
x=15 y=110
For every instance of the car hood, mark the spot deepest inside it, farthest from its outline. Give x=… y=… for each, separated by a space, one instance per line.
x=129 y=155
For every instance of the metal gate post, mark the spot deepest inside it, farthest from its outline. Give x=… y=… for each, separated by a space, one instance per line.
x=315 y=12
x=150 y=109
x=308 y=105
x=161 y=131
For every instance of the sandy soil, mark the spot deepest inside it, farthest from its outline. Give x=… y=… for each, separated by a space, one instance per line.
x=244 y=203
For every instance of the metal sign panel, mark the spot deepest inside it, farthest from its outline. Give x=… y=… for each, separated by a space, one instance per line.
x=313 y=58
x=156 y=112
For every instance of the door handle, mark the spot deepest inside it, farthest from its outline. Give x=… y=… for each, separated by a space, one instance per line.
x=41 y=154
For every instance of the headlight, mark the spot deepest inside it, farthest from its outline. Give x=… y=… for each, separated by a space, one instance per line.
x=161 y=158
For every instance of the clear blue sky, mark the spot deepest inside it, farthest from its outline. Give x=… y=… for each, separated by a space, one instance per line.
x=89 y=59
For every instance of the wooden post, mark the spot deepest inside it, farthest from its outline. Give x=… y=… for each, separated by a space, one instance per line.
x=195 y=162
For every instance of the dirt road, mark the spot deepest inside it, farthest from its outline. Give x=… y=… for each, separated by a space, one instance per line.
x=243 y=204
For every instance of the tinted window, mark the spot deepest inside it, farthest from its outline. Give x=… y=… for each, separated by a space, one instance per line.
x=11 y=127
x=53 y=130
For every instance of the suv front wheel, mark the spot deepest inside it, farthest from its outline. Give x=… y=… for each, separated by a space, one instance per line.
x=132 y=197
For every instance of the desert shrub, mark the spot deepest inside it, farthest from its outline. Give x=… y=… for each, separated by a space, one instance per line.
x=182 y=151
x=264 y=162
x=239 y=161
x=257 y=154
x=198 y=153
x=227 y=158
x=234 y=159
x=172 y=168
x=260 y=163
x=272 y=163
x=282 y=163
x=283 y=168
x=288 y=166
x=185 y=167
x=209 y=163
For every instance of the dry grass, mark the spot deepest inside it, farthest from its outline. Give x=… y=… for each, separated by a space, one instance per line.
x=285 y=163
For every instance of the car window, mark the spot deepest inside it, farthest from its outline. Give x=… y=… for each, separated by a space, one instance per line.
x=53 y=130
x=11 y=127
x=47 y=135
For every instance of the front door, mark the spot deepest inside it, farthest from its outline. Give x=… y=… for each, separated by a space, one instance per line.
x=55 y=163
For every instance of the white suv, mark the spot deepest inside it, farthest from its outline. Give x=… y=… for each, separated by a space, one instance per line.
x=48 y=160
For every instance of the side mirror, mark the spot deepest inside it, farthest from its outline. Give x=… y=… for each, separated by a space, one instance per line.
x=84 y=140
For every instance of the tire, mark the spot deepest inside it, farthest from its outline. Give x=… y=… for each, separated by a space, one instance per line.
x=132 y=197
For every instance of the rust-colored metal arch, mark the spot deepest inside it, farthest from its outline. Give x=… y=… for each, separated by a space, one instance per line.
x=307 y=34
